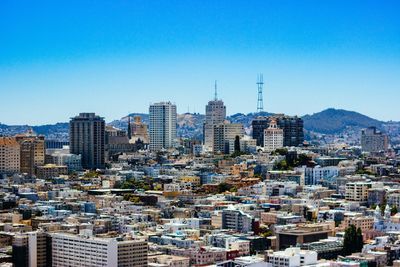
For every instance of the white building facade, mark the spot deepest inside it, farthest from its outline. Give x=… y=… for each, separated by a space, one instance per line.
x=162 y=125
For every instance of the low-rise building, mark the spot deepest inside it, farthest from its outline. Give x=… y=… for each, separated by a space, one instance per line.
x=292 y=257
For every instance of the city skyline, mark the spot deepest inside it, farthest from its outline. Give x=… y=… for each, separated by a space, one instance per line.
x=200 y=133
x=76 y=57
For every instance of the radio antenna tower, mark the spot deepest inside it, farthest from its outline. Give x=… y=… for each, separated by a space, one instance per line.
x=215 y=91
x=260 y=84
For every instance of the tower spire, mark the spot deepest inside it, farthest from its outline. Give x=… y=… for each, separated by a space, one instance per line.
x=260 y=84
x=215 y=91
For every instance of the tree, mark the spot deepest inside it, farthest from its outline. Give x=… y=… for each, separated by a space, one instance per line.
x=359 y=240
x=282 y=165
x=264 y=231
x=303 y=159
x=237 y=144
x=382 y=206
x=91 y=174
x=394 y=210
x=353 y=240
x=223 y=187
x=233 y=189
x=281 y=151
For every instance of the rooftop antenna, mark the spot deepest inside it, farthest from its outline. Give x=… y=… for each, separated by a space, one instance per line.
x=260 y=84
x=215 y=91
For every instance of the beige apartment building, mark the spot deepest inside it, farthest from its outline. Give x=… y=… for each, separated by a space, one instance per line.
x=9 y=155
x=32 y=151
x=357 y=191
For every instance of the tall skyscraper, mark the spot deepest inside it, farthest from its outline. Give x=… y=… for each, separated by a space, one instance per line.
x=162 y=125
x=31 y=249
x=215 y=114
x=292 y=126
x=373 y=140
x=87 y=138
x=32 y=151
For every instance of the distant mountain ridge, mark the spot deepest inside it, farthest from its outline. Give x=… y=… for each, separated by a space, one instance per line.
x=329 y=121
x=57 y=131
x=333 y=121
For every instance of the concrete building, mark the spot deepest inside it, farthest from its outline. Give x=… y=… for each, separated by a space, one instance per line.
x=76 y=250
x=39 y=249
x=293 y=134
x=304 y=233
x=393 y=200
x=9 y=155
x=373 y=140
x=202 y=256
x=273 y=136
x=292 y=257
x=20 y=250
x=236 y=220
x=117 y=142
x=248 y=144
x=292 y=127
x=32 y=153
x=377 y=196
x=215 y=114
x=246 y=261
x=31 y=249
x=62 y=157
x=363 y=222
x=168 y=261
x=162 y=125
x=51 y=171
x=87 y=138
x=138 y=130
x=313 y=175
x=55 y=144
x=225 y=135
x=326 y=249
x=357 y=191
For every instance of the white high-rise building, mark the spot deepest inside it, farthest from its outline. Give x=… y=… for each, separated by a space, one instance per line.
x=215 y=114
x=273 y=136
x=76 y=250
x=162 y=125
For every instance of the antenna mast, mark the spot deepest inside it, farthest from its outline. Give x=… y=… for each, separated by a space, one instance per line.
x=260 y=85
x=215 y=91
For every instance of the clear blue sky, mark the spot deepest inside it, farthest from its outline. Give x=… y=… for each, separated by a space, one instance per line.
x=59 y=58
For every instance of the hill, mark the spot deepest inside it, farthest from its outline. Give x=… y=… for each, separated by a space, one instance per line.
x=333 y=121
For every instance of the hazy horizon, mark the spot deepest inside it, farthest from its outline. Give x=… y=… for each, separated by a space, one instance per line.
x=179 y=113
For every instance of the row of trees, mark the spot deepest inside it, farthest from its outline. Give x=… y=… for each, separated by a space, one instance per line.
x=290 y=162
x=145 y=184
